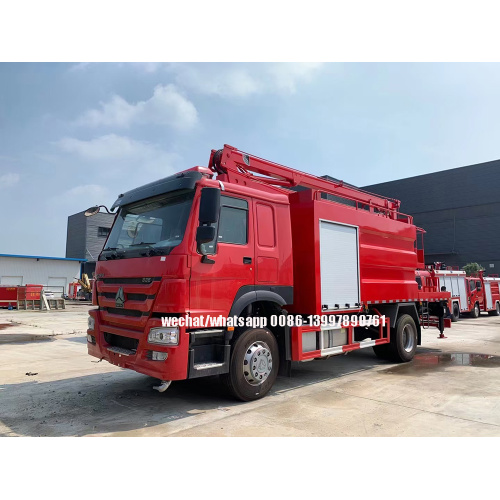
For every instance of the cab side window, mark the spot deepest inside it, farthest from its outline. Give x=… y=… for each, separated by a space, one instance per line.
x=233 y=221
x=232 y=226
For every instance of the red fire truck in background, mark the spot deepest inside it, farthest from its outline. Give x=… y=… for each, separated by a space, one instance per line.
x=469 y=294
x=236 y=240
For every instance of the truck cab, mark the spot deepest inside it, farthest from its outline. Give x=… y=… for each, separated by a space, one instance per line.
x=187 y=246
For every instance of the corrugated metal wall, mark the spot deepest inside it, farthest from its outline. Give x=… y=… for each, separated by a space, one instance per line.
x=75 y=236
x=459 y=209
x=94 y=242
x=54 y=274
x=83 y=240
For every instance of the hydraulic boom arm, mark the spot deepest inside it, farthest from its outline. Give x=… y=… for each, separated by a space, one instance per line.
x=238 y=166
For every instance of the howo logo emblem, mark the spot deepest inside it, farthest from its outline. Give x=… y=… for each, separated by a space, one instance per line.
x=120 y=298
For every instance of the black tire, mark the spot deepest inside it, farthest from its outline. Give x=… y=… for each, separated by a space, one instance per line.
x=475 y=311
x=403 y=344
x=237 y=380
x=455 y=314
x=496 y=312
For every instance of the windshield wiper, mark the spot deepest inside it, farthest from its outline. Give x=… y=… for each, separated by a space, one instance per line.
x=142 y=243
x=114 y=254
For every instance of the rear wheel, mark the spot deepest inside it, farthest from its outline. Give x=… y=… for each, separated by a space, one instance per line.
x=496 y=312
x=455 y=315
x=475 y=311
x=403 y=344
x=254 y=365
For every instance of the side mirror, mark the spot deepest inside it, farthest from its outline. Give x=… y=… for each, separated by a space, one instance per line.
x=92 y=211
x=204 y=234
x=209 y=206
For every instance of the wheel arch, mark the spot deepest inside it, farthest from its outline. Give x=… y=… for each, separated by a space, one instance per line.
x=246 y=295
x=394 y=311
x=267 y=301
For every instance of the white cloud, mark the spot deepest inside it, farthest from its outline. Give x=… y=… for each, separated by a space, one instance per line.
x=166 y=107
x=8 y=180
x=287 y=76
x=76 y=199
x=243 y=80
x=147 y=67
x=121 y=155
x=105 y=147
x=92 y=193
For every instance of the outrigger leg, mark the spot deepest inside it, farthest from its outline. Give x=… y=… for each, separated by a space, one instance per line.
x=441 y=322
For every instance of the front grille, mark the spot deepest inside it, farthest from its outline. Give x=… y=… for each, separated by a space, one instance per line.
x=130 y=281
x=139 y=296
x=119 y=341
x=128 y=296
x=126 y=312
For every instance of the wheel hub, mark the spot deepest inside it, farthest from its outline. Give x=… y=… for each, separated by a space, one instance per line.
x=408 y=338
x=257 y=363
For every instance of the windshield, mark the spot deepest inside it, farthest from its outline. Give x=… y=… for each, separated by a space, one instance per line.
x=150 y=227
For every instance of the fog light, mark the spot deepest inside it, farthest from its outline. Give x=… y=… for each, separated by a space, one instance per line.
x=159 y=356
x=91 y=322
x=90 y=338
x=164 y=336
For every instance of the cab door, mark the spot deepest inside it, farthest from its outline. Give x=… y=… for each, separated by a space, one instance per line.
x=266 y=244
x=480 y=295
x=230 y=265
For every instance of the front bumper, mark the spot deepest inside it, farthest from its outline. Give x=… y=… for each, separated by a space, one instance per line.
x=173 y=368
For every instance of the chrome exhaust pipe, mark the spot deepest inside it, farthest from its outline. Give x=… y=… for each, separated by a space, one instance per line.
x=164 y=385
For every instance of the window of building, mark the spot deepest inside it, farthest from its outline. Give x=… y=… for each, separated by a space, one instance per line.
x=103 y=231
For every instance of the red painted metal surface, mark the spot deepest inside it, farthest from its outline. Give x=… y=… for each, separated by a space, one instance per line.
x=283 y=243
x=474 y=286
x=8 y=295
x=30 y=292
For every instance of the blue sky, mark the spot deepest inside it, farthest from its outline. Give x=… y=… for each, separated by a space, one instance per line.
x=72 y=135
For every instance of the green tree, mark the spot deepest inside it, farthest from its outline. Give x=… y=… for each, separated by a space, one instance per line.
x=472 y=268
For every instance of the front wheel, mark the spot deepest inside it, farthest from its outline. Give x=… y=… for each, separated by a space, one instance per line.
x=254 y=364
x=475 y=311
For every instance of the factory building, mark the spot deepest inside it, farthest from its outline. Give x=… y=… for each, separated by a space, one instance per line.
x=86 y=237
x=54 y=273
x=458 y=208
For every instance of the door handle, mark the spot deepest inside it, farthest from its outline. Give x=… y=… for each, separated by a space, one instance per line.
x=247 y=260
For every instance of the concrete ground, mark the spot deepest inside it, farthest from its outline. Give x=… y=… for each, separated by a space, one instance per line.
x=49 y=386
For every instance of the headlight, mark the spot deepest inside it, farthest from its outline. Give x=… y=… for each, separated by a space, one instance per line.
x=91 y=322
x=164 y=336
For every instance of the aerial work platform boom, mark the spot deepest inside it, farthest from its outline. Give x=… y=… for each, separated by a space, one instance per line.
x=238 y=167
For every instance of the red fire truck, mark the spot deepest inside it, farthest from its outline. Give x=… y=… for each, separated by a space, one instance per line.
x=469 y=294
x=250 y=239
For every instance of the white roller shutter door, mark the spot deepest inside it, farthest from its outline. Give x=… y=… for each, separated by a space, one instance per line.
x=339 y=266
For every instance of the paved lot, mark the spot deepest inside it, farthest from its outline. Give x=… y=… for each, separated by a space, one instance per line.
x=446 y=391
